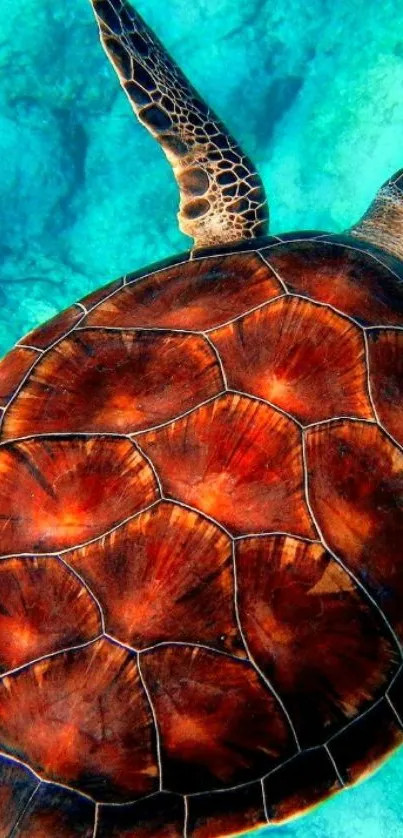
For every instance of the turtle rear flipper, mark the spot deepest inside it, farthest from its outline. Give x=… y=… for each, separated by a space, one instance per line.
x=222 y=196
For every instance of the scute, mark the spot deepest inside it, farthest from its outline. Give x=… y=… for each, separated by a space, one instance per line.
x=182 y=462
x=13 y=370
x=300 y=784
x=56 y=811
x=17 y=785
x=45 y=336
x=385 y=349
x=312 y=366
x=237 y=460
x=158 y=816
x=198 y=295
x=67 y=490
x=52 y=713
x=114 y=381
x=165 y=575
x=312 y=633
x=219 y=725
x=356 y=492
x=232 y=812
x=361 y=748
x=43 y=608
x=345 y=276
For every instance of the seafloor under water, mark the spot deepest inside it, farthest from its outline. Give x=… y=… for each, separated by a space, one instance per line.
x=314 y=91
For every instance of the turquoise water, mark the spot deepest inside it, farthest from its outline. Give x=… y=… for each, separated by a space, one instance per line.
x=314 y=91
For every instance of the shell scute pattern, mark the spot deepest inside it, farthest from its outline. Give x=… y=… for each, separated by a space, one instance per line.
x=44 y=336
x=17 y=785
x=199 y=295
x=356 y=490
x=309 y=778
x=188 y=448
x=166 y=573
x=14 y=367
x=228 y=812
x=43 y=608
x=333 y=273
x=385 y=349
x=57 y=811
x=161 y=815
x=91 y=694
x=223 y=458
x=174 y=372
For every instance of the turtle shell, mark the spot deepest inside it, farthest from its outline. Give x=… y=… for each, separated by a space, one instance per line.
x=201 y=526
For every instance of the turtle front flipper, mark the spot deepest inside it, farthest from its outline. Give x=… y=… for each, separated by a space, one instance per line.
x=222 y=199
x=382 y=224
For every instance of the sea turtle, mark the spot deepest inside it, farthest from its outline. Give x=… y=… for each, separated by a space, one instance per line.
x=201 y=511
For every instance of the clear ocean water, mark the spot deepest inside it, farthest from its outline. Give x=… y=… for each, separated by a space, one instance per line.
x=314 y=91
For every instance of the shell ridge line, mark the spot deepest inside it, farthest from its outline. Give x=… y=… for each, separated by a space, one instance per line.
x=251 y=659
x=233 y=320
x=49 y=656
x=121 y=644
x=32 y=348
x=133 y=329
x=277 y=408
x=152 y=467
x=185 y=816
x=368 y=374
x=177 y=418
x=127 y=803
x=24 y=811
x=265 y=809
x=82 y=307
x=43 y=780
x=61 y=435
x=246 y=785
x=35 y=363
x=219 y=360
x=276 y=273
x=395 y=711
x=335 y=419
x=330 y=306
x=367 y=252
x=60 y=553
x=85 y=585
x=273 y=533
x=96 y=821
x=380 y=424
x=381 y=327
x=358 y=718
x=395 y=677
x=162 y=644
x=155 y=720
x=339 y=561
x=335 y=766
x=204 y=515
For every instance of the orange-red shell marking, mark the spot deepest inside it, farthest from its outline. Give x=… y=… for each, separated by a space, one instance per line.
x=201 y=503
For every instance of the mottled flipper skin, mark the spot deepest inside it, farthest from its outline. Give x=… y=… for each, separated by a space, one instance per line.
x=222 y=197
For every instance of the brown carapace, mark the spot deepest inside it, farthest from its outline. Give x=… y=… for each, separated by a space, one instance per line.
x=201 y=507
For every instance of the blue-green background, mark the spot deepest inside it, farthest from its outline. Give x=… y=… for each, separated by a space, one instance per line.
x=314 y=91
